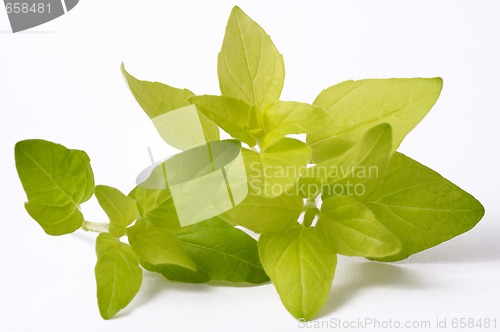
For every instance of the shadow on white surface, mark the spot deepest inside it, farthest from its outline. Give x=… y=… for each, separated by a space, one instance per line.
x=356 y=277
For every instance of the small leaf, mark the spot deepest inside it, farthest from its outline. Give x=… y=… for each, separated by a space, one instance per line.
x=249 y=66
x=56 y=180
x=121 y=209
x=157 y=206
x=236 y=117
x=158 y=245
x=288 y=117
x=351 y=229
x=181 y=128
x=118 y=275
x=421 y=207
x=355 y=106
x=301 y=268
x=154 y=199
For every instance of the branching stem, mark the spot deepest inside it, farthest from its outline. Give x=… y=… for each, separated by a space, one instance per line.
x=97 y=227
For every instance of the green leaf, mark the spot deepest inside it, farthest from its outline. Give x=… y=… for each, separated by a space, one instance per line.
x=301 y=268
x=258 y=212
x=263 y=214
x=178 y=273
x=184 y=128
x=157 y=206
x=282 y=164
x=358 y=171
x=236 y=117
x=154 y=199
x=355 y=106
x=223 y=252
x=118 y=275
x=220 y=253
x=121 y=209
x=56 y=180
x=158 y=245
x=249 y=66
x=421 y=207
x=288 y=117
x=351 y=229
x=84 y=183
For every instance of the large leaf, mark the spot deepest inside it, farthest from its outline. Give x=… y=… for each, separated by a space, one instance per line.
x=301 y=268
x=56 y=180
x=249 y=66
x=421 y=207
x=356 y=106
x=184 y=128
x=118 y=275
x=219 y=251
x=121 y=209
x=351 y=229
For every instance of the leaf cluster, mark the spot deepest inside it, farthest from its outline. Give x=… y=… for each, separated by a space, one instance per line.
x=345 y=190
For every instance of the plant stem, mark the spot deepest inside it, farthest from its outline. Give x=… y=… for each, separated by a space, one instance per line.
x=98 y=227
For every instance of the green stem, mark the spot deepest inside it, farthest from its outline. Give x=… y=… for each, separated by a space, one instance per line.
x=97 y=227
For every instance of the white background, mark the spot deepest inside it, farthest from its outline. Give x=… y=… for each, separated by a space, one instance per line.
x=61 y=81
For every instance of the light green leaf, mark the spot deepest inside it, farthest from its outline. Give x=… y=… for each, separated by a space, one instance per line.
x=258 y=212
x=121 y=209
x=421 y=207
x=184 y=128
x=282 y=164
x=56 y=180
x=118 y=275
x=263 y=214
x=154 y=199
x=236 y=117
x=351 y=229
x=288 y=117
x=358 y=171
x=301 y=268
x=249 y=66
x=84 y=183
x=219 y=251
x=158 y=245
x=178 y=273
x=223 y=252
x=355 y=106
x=157 y=206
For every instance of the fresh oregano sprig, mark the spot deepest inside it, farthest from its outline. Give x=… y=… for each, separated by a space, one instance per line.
x=344 y=191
